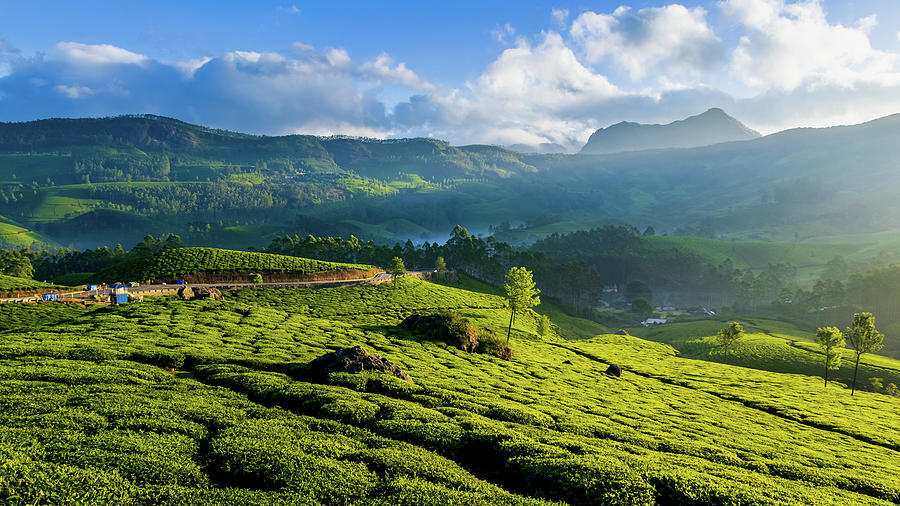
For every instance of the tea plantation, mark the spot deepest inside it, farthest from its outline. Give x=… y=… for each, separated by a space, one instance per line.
x=182 y=261
x=210 y=402
x=770 y=345
x=10 y=283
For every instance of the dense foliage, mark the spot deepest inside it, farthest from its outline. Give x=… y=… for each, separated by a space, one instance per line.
x=49 y=264
x=92 y=412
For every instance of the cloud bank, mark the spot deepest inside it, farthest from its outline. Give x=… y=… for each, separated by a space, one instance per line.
x=788 y=66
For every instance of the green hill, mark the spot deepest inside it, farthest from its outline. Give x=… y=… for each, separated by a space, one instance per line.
x=182 y=262
x=9 y=283
x=12 y=235
x=768 y=345
x=206 y=402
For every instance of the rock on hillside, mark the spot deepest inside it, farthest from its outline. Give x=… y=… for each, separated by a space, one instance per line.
x=355 y=359
x=711 y=127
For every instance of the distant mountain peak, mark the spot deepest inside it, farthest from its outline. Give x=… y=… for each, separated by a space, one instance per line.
x=710 y=127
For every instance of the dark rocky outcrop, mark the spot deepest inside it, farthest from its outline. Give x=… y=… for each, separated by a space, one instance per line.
x=614 y=370
x=188 y=293
x=355 y=359
x=448 y=327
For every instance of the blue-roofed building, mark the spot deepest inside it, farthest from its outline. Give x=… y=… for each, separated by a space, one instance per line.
x=119 y=294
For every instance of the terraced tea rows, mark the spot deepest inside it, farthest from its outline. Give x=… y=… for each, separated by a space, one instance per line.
x=205 y=402
x=771 y=346
x=184 y=261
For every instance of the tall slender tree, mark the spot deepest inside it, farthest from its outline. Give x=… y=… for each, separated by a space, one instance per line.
x=397 y=270
x=440 y=268
x=521 y=293
x=729 y=335
x=862 y=338
x=832 y=341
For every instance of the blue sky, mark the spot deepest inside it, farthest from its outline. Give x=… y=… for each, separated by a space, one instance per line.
x=469 y=72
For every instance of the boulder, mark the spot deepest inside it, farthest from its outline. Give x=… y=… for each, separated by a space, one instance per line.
x=355 y=359
x=209 y=293
x=420 y=323
x=614 y=370
x=186 y=293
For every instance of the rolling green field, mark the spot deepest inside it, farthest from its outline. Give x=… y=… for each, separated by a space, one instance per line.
x=208 y=402
x=13 y=283
x=13 y=235
x=183 y=261
x=768 y=345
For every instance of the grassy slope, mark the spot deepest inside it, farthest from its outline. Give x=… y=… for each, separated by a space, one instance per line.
x=768 y=345
x=566 y=326
x=14 y=283
x=13 y=235
x=84 y=418
x=183 y=261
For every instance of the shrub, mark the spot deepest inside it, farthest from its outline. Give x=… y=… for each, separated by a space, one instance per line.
x=456 y=330
x=492 y=344
x=255 y=277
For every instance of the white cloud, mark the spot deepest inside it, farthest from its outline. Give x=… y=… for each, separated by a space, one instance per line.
x=265 y=92
x=560 y=16
x=503 y=33
x=398 y=74
x=675 y=38
x=74 y=91
x=522 y=96
x=97 y=54
x=188 y=67
x=867 y=23
x=789 y=45
x=293 y=9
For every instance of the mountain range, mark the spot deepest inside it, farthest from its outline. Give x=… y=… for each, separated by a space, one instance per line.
x=108 y=180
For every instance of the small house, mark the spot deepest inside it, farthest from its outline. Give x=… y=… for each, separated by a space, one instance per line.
x=119 y=294
x=93 y=288
x=653 y=321
x=50 y=297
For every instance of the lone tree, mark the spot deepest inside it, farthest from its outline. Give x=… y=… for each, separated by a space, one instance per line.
x=543 y=326
x=440 y=268
x=863 y=338
x=729 y=335
x=396 y=269
x=832 y=341
x=521 y=293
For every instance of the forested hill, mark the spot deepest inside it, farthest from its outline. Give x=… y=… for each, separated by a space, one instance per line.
x=88 y=182
x=139 y=137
